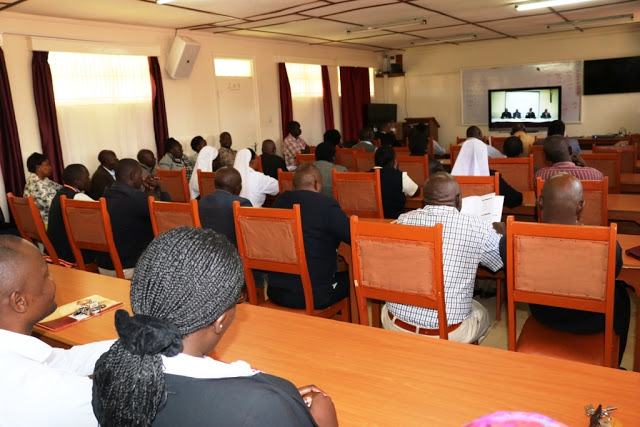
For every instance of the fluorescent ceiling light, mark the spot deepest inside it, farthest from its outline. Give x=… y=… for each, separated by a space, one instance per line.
x=395 y=24
x=454 y=38
x=164 y=1
x=539 y=4
x=594 y=22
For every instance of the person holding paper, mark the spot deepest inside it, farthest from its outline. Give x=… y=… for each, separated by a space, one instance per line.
x=39 y=385
x=467 y=241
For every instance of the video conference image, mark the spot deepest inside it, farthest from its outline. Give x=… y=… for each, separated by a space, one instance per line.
x=530 y=105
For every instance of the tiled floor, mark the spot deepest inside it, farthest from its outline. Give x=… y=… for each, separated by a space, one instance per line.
x=497 y=337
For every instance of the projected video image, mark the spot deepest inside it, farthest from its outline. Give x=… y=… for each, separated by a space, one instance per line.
x=534 y=105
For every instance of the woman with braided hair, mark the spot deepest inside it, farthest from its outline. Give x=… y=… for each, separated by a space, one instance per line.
x=183 y=295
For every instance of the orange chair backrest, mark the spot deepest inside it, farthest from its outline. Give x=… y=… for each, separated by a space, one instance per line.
x=430 y=149
x=539 y=159
x=542 y=268
x=398 y=278
x=30 y=224
x=166 y=216
x=285 y=181
x=177 y=185
x=345 y=157
x=628 y=154
x=479 y=185
x=206 y=182
x=301 y=159
x=402 y=150
x=377 y=142
x=364 y=162
x=358 y=193
x=271 y=239
x=518 y=172
x=634 y=139
x=497 y=142
x=609 y=164
x=417 y=167
x=595 y=194
x=312 y=149
x=454 y=151
x=89 y=227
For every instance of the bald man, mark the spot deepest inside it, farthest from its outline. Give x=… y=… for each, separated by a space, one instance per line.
x=104 y=176
x=474 y=132
x=148 y=162
x=33 y=373
x=324 y=226
x=216 y=209
x=561 y=202
x=466 y=242
x=271 y=162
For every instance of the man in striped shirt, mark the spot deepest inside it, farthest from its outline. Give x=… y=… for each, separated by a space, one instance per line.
x=556 y=150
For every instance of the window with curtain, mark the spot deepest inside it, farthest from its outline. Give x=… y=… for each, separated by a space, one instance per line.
x=306 y=93
x=372 y=89
x=102 y=102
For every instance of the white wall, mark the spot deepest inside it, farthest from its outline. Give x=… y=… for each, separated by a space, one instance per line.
x=433 y=86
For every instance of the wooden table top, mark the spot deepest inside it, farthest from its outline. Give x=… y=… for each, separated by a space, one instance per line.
x=379 y=377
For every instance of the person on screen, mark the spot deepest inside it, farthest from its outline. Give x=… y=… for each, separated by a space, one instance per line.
x=159 y=372
x=506 y=114
x=530 y=114
x=517 y=114
x=545 y=114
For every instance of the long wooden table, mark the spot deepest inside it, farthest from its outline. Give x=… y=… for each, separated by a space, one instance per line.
x=379 y=377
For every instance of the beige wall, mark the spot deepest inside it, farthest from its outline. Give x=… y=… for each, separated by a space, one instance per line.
x=433 y=86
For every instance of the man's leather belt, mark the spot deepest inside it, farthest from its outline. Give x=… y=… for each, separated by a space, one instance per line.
x=422 y=331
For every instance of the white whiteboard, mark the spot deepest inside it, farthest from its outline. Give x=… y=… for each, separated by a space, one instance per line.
x=476 y=82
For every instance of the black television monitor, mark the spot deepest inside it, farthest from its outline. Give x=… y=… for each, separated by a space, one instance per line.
x=616 y=75
x=535 y=107
x=380 y=113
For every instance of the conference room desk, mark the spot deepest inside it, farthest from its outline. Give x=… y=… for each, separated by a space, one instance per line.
x=379 y=377
x=631 y=275
x=630 y=182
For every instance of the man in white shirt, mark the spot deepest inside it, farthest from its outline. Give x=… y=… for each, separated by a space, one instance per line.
x=39 y=385
x=475 y=132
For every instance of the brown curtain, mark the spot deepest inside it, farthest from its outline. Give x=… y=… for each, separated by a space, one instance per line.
x=327 y=103
x=354 y=82
x=286 y=104
x=10 y=153
x=160 y=126
x=46 y=108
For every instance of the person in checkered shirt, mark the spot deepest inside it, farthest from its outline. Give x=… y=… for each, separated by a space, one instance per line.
x=293 y=144
x=467 y=241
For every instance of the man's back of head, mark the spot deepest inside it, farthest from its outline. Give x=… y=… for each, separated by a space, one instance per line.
x=326 y=151
x=127 y=171
x=365 y=134
x=518 y=127
x=332 y=136
x=146 y=157
x=513 y=147
x=556 y=149
x=107 y=158
x=441 y=189
x=268 y=147
x=561 y=199
x=474 y=132
x=556 y=127
x=385 y=157
x=307 y=177
x=76 y=175
x=228 y=179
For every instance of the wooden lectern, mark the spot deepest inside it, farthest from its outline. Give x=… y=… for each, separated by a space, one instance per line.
x=431 y=122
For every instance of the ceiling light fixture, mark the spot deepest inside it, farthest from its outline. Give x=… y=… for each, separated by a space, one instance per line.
x=454 y=38
x=594 y=22
x=539 y=4
x=395 y=24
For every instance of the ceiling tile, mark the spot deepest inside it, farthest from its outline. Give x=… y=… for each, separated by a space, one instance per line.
x=524 y=26
x=486 y=10
x=603 y=11
x=269 y=23
x=240 y=8
x=279 y=36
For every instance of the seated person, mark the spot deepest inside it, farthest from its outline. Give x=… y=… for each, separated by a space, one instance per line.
x=128 y=209
x=418 y=141
x=39 y=185
x=513 y=147
x=76 y=180
x=207 y=161
x=467 y=241
x=216 y=210
x=545 y=114
x=293 y=144
x=561 y=202
x=227 y=154
x=395 y=185
x=506 y=114
x=326 y=162
x=474 y=133
x=148 y=162
x=366 y=141
x=271 y=162
x=333 y=136
x=197 y=144
x=530 y=114
x=324 y=226
x=175 y=159
x=104 y=175
x=159 y=372
x=517 y=114
x=32 y=373
x=520 y=131
x=557 y=127
x=255 y=185
x=385 y=135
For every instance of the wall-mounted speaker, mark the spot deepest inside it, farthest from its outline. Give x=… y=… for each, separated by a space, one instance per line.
x=182 y=57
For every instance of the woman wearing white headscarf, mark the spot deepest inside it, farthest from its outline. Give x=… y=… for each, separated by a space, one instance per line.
x=205 y=160
x=255 y=185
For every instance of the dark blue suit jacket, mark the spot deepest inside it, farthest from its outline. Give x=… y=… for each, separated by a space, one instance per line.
x=216 y=213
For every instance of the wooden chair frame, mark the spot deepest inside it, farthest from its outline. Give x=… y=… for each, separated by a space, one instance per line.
x=104 y=226
x=206 y=182
x=628 y=154
x=400 y=235
x=555 y=231
x=345 y=157
x=284 y=177
x=424 y=160
x=497 y=142
x=302 y=159
x=496 y=163
x=454 y=150
x=361 y=156
x=179 y=192
x=493 y=181
x=359 y=176
x=188 y=209
x=293 y=219
x=539 y=159
x=600 y=186
x=614 y=182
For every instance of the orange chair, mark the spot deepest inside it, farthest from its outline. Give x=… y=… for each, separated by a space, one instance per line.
x=345 y=157
x=166 y=216
x=609 y=165
x=271 y=240
x=430 y=149
x=259 y=164
x=285 y=181
x=402 y=150
x=89 y=227
x=399 y=278
x=539 y=159
x=30 y=224
x=302 y=159
x=479 y=185
x=364 y=162
x=312 y=149
x=358 y=193
x=628 y=154
x=518 y=172
x=417 y=167
x=377 y=142
x=454 y=151
x=460 y=140
x=206 y=183
x=177 y=185
x=585 y=282
x=595 y=195
x=497 y=142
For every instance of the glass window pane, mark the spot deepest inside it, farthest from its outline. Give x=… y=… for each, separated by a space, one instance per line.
x=232 y=67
